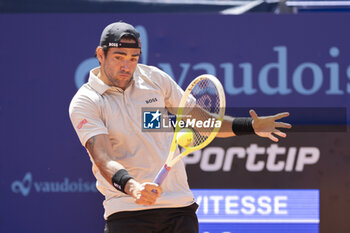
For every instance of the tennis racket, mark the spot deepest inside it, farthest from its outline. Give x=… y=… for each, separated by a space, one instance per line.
x=203 y=100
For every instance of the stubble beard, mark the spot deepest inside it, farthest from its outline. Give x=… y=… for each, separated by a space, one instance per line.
x=115 y=81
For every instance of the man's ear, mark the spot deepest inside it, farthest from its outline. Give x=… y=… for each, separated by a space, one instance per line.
x=100 y=54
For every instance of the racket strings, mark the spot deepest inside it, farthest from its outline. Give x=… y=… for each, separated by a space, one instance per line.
x=207 y=109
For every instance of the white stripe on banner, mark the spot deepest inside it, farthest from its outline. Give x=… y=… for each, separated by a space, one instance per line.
x=259 y=221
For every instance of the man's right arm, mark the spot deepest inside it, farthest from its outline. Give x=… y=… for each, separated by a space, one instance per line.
x=100 y=149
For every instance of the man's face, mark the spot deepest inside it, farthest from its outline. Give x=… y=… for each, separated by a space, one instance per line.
x=119 y=64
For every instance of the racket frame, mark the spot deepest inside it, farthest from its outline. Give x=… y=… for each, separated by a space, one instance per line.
x=171 y=161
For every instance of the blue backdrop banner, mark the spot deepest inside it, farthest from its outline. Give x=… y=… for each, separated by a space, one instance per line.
x=263 y=61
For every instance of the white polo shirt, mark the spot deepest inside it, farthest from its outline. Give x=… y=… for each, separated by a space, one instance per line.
x=100 y=109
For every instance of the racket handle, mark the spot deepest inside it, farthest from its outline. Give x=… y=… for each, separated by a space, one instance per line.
x=162 y=174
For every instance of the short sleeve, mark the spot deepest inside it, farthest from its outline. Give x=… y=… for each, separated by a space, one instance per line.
x=86 y=118
x=172 y=92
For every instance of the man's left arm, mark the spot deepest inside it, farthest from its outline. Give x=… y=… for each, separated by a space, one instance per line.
x=263 y=126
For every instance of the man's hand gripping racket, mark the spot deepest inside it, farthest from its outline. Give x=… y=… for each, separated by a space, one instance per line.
x=204 y=101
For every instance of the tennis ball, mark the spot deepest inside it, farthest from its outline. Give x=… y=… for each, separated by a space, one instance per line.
x=184 y=137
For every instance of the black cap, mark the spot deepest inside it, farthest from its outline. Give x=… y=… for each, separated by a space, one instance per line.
x=112 y=34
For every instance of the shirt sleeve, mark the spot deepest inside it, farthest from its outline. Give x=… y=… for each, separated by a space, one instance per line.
x=173 y=93
x=86 y=118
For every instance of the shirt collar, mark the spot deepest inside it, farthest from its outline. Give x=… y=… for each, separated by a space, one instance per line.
x=96 y=83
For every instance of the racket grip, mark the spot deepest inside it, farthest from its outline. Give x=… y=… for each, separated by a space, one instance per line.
x=162 y=174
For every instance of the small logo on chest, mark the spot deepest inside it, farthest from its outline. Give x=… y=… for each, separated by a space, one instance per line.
x=151 y=100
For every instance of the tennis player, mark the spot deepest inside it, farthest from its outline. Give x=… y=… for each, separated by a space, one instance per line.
x=106 y=114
